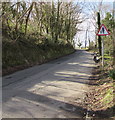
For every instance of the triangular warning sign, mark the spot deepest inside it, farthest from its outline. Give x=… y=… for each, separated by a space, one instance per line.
x=103 y=31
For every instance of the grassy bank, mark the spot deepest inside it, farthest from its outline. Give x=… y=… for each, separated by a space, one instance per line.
x=22 y=54
x=100 y=100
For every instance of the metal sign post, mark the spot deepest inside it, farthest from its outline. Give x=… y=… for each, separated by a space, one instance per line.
x=103 y=32
x=102 y=52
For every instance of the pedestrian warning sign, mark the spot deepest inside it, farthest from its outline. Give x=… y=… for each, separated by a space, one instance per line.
x=103 y=31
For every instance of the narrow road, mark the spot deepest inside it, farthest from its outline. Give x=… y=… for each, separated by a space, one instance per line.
x=51 y=90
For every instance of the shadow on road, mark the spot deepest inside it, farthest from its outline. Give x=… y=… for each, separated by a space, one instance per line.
x=70 y=78
x=70 y=108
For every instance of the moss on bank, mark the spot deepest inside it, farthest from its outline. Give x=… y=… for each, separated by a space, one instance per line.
x=23 y=54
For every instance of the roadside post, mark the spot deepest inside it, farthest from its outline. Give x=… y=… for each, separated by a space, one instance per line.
x=103 y=32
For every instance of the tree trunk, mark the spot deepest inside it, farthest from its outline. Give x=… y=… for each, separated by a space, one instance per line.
x=57 y=23
x=99 y=37
x=27 y=19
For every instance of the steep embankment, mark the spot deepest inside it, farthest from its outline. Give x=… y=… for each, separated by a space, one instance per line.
x=22 y=54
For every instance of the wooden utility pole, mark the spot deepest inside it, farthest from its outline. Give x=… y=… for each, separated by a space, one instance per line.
x=86 y=38
x=99 y=37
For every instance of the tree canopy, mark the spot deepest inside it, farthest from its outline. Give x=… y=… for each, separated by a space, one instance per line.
x=44 y=22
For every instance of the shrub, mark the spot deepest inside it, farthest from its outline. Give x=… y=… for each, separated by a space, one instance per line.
x=112 y=74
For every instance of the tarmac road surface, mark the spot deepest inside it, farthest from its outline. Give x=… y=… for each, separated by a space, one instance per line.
x=50 y=90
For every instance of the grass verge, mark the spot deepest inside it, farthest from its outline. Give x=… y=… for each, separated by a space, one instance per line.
x=100 y=100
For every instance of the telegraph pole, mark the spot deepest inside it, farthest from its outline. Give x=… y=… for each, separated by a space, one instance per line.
x=86 y=38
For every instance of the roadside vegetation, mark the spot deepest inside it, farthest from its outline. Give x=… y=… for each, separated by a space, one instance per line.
x=101 y=99
x=36 y=32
